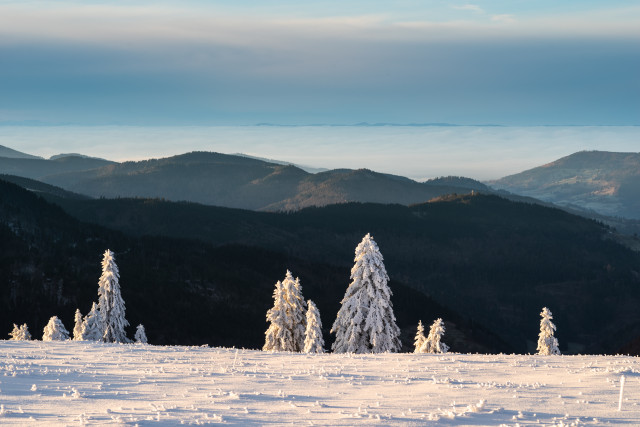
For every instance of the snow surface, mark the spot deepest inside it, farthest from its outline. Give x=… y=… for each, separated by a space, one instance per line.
x=77 y=382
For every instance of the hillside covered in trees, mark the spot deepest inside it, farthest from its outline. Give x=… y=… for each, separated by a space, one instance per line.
x=229 y=180
x=494 y=260
x=185 y=291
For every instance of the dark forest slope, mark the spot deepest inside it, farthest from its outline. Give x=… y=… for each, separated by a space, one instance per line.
x=184 y=291
x=496 y=260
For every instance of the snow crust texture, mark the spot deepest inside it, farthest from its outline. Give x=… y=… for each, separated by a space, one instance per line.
x=95 y=383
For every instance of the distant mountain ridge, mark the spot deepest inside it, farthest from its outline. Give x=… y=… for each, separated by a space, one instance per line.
x=14 y=154
x=39 y=168
x=230 y=181
x=604 y=182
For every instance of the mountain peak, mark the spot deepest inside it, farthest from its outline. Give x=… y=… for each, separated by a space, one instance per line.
x=601 y=181
x=14 y=154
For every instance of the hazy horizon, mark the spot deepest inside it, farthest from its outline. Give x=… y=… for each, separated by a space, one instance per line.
x=482 y=153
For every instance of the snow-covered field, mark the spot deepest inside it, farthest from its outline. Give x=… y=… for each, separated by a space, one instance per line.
x=74 y=383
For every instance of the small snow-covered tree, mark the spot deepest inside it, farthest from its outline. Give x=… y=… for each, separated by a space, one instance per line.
x=296 y=310
x=55 y=331
x=433 y=343
x=420 y=338
x=77 y=328
x=278 y=336
x=92 y=325
x=20 y=333
x=110 y=302
x=313 y=341
x=547 y=343
x=365 y=322
x=141 y=335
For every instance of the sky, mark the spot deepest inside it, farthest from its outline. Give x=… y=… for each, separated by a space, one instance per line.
x=190 y=62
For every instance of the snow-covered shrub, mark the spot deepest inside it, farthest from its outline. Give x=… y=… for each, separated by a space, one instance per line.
x=55 y=331
x=365 y=322
x=91 y=325
x=141 y=335
x=110 y=302
x=313 y=342
x=547 y=343
x=77 y=328
x=433 y=343
x=20 y=333
x=420 y=338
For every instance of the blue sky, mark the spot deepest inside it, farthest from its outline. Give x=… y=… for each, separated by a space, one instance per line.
x=149 y=63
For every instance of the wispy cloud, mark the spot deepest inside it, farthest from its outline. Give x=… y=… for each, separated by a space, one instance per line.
x=142 y=62
x=130 y=25
x=504 y=18
x=470 y=7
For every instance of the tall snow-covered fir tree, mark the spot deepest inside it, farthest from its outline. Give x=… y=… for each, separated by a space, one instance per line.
x=420 y=338
x=20 y=333
x=313 y=341
x=141 y=335
x=77 y=328
x=278 y=336
x=92 y=325
x=297 y=310
x=433 y=343
x=55 y=331
x=110 y=302
x=365 y=321
x=547 y=343
x=287 y=317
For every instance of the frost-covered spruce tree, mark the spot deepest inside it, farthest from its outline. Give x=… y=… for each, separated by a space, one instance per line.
x=20 y=333
x=110 y=302
x=313 y=341
x=420 y=338
x=365 y=322
x=77 y=328
x=547 y=343
x=92 y=325
x=55 y=331
x=433 y=343
x=296 y=310
x=141 y=335
x=278 y=336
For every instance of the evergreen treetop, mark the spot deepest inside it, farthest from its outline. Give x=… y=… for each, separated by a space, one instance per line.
x=365 y=322
x=110 y=302
x=77 y=328
x=420 y=338
x=20 y=333
x=433 y=343
x=55 y=330
x=313 y=342
x=547 y=343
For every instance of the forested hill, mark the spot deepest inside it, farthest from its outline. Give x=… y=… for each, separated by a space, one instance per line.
x=600 y=181
x=184 y=291
x=495 y=260
x=231 y=181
